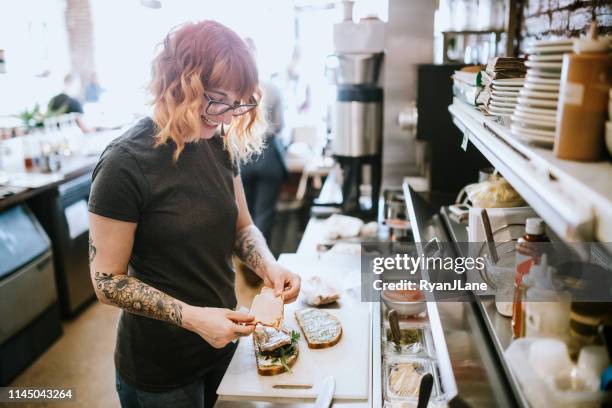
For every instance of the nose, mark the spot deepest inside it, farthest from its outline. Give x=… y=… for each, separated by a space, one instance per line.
x=226 y=118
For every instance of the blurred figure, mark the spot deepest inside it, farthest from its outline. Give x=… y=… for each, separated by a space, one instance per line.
x=263 y=176
x=93 y=89
x=66 y=102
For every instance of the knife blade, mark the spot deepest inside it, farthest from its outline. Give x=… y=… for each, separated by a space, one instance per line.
x=326 y=393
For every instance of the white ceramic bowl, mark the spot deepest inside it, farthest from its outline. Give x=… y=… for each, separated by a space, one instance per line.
x=404 y=309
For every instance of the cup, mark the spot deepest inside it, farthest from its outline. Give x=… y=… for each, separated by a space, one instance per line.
x=549 y=357
x=593 y=359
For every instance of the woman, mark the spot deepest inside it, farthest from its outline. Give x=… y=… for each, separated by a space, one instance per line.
x=167 y=210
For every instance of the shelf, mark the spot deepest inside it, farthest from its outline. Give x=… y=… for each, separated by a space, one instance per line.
x=473 y=32
x=574 y=198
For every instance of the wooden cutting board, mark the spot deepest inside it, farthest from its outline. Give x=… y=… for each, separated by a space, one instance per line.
x=348 y=361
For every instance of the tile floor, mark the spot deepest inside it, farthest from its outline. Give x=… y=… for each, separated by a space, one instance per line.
x=83 y=357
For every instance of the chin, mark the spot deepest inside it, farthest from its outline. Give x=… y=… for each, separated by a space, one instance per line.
x=206 y=129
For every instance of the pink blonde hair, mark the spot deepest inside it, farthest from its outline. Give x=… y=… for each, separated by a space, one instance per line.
x=195 y=57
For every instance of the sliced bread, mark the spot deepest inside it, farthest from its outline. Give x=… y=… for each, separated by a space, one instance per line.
x=321 y=329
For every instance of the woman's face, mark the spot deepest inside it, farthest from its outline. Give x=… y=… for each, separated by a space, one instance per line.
x=210 y=123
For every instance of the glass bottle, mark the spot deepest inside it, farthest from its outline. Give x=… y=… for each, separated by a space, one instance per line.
x=526 y=256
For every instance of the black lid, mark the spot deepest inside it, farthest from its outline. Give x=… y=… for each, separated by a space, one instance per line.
x=359 y=93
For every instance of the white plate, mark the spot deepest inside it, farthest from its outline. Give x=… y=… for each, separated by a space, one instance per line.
x=552 y=113
x=532 y=123
x=513 y=82
x=533 y=78
x=507 y=105
x=537 y=102
x=551 y=42
x=550 y=134
x=544 y=65
x=506 y=94
x=509 y=99
x=543 y=73
x=555 y=49
x=500 y=111
x=546 y=58
x=550 y=120
x=529 y=93
x=529 y=138
x=541 y=87
x=509 y=89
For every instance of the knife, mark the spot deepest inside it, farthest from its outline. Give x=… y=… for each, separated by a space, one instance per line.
x=326 y=393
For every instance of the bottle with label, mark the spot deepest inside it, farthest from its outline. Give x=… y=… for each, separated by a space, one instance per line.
x=586 y=77
x=527 y=255
x=547 y=309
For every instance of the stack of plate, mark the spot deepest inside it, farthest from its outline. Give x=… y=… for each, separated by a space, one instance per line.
x=504 y=95
x=533 y=119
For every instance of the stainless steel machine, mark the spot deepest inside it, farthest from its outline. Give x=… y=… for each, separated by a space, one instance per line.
x=357 y=130
x=29 y=310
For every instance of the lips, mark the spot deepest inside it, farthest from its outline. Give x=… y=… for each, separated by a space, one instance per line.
x=209 y=123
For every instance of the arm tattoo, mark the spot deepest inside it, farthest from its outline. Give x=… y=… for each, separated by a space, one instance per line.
x=252 y=249
x=137 y=297
x=92 y=251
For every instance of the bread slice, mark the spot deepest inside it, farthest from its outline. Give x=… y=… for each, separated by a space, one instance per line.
x=268 y=308
x=272 y=364
x=321 y=329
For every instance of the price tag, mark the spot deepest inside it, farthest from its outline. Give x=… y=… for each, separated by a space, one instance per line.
x=464 y=142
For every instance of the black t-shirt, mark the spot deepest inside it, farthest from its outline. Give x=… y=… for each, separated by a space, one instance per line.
x=186 y=214
x=63 y=103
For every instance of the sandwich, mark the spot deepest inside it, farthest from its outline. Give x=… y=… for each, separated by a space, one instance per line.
x=275 y=350
x=317 y=292
x=268 y=308
x=321 y=329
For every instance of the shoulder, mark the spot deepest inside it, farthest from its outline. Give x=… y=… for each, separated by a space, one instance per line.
x=218 y=144
x=133 y=148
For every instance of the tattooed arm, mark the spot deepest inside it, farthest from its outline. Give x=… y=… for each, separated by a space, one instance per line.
x=251 y=248
x=110 y=247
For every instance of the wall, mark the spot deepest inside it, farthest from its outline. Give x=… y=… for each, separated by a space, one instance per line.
x=541 y=18
x=409 y=42
x=80 y=37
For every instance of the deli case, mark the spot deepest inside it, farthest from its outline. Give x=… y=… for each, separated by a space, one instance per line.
x=452 y=341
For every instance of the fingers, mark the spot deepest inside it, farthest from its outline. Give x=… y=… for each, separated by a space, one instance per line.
x=279 y=286
x=292 y=292
x=240 y=317
x=241 y=330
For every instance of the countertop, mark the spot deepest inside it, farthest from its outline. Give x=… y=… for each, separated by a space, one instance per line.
x=71 y=167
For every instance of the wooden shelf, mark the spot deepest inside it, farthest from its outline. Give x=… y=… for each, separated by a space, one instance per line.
x=574 y=198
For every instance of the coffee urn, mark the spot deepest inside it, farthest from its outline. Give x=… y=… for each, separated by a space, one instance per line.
x=357 y=130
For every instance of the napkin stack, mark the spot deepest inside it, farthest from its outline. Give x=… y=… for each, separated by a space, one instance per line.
x=502 y=80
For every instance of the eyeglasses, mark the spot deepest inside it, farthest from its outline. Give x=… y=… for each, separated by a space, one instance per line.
x=219 y=108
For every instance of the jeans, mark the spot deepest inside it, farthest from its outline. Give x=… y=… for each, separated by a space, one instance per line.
x=201 y=393
x=262 y=179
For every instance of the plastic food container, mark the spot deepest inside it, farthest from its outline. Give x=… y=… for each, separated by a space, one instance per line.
x=402 y=379
x=415 y=342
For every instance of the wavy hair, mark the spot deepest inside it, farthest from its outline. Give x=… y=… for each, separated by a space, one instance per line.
x=195 y=57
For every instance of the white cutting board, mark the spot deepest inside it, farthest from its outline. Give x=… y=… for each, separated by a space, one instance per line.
x=348 y=361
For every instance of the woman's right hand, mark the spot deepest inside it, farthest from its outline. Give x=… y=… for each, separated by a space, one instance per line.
x=217 y=326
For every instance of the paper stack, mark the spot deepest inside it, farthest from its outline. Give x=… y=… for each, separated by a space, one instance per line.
x=502 y=80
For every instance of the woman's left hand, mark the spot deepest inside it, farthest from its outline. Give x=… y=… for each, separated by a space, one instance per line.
x=283 y=281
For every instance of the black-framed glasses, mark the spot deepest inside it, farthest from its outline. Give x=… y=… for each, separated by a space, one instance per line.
x=219 y=108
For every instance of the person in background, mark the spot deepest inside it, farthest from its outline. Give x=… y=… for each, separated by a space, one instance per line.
x=66 y=102
x=262 y=177
x=93 y=89
x=167 y=211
